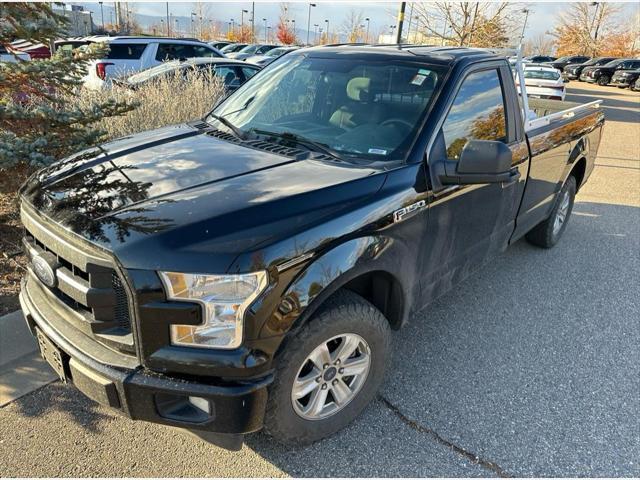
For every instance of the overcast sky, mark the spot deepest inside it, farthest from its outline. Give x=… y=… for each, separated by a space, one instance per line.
x=382 y=14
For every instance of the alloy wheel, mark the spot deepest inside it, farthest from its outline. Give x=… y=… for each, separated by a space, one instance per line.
x=331 y=376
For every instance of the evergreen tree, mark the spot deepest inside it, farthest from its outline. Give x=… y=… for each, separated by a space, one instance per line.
x=38 y=125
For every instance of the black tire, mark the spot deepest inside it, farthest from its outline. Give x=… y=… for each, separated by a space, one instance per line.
x=345 y=312
x=604 y=80
x=544 y=235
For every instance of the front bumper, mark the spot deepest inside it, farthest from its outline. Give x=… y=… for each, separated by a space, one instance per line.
x=621 y=82
x=235 y=408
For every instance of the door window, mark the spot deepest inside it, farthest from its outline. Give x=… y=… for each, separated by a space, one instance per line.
x=228 y=75
x=249 y=72
x=477 y=113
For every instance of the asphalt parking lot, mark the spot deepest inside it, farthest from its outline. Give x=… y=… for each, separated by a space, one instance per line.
x=529 y=368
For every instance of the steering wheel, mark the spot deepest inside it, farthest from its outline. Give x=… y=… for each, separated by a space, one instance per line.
x=397 y=121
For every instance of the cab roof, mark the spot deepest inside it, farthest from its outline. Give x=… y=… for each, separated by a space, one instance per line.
x=433 y=54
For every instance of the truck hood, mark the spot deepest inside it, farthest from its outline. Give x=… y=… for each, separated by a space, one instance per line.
x=179 y=192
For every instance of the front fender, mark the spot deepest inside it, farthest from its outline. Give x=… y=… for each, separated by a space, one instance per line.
x=323 y=277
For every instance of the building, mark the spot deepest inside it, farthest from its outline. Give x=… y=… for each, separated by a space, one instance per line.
x=80 y=20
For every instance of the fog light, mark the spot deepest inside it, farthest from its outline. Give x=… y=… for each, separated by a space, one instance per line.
x=201 y=404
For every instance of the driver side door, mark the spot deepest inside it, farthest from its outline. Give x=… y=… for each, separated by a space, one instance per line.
x=470 y=223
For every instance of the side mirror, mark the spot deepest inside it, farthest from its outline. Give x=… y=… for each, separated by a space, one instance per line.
x=481 y=161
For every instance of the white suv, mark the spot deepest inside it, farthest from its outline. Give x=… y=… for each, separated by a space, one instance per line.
x=128 y=55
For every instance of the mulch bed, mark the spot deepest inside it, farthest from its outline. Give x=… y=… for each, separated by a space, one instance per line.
x=12 y=260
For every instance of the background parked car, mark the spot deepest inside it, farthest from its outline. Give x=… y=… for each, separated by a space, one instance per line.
x=128 y=55
x=574 y=70
x=539 y=59
x=270 y=56
x=562 y=62
x=250 y=50
x=602 y=75
x=233 y=73
x=636 y=86
x=6 y=56
x=233 y=47
x=219 y=45
x=625 y=78
x=543 y=81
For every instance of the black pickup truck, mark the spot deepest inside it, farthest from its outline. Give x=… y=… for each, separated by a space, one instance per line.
x=246 y=270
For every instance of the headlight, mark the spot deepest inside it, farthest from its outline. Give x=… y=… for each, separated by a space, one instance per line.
x=224 y=299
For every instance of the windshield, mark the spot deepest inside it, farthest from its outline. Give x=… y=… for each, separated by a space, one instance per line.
x=234 y=47
x=613 y=63
x=276 y=52
x=368 y=109
x=249 y=49
x=542 y=74
x=154 y=71
x=562 y=59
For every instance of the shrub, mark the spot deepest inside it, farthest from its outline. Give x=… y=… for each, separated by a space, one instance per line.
x=174 y=98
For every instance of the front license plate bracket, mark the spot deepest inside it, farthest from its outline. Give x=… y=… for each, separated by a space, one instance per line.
x=51 y=354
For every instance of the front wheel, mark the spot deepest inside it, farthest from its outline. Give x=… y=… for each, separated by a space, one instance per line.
x=548 y=233
x=329 y=372
x=604 y=80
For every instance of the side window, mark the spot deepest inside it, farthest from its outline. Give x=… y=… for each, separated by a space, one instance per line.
x=635 y=64
x=173 y=51
x=126 y=51
x=228 y=76
x=249 y=72
x=477 y=113
x=200 y=51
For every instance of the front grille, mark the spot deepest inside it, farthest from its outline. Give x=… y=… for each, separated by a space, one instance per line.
x=121 y=310
x=87 y=283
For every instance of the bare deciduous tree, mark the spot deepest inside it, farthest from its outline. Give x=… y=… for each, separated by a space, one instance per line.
x=541 y=44
x=352 y=26
x=478 y=24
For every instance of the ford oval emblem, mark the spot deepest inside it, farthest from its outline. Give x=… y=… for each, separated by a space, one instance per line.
x=44 y=271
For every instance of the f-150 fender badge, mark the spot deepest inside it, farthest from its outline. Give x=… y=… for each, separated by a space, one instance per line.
x=407 y=211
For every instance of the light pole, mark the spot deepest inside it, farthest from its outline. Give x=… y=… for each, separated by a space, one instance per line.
x=233 y=26
x=327 y=22
x=315 y=33
x=161 y=26
x=524 y=26
x=391 y=29
x=176 y=29
x=193 y=27
x=309 y=21
x=168 y=20
x=368 y=20
x=293 y=25
x=242 y=20
x=102 y=16
x=269 y=34
x=265 y=30
x=320 y=32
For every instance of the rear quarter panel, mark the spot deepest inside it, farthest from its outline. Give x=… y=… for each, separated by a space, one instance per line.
x=555 y=150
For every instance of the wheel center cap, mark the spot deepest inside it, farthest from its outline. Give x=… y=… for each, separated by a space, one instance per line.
x=329 y=374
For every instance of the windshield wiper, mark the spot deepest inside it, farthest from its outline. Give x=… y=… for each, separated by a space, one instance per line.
x=237 y=132
x=298 y=140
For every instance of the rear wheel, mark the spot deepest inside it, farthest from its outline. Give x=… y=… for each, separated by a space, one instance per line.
x=548 y=233
x=330 y=371
x=604 y=80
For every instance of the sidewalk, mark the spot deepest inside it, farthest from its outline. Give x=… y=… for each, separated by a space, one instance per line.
x=22 y=370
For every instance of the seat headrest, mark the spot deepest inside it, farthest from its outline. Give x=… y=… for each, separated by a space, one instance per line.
x=358 y=89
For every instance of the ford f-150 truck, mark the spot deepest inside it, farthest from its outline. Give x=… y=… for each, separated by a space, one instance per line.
x=245 y=271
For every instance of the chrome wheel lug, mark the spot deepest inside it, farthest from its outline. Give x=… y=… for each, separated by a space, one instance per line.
x=318 y=379
x=341 y=370
x=337 y=362
x=335 y=382
x=325 y=366
x=324 y=386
